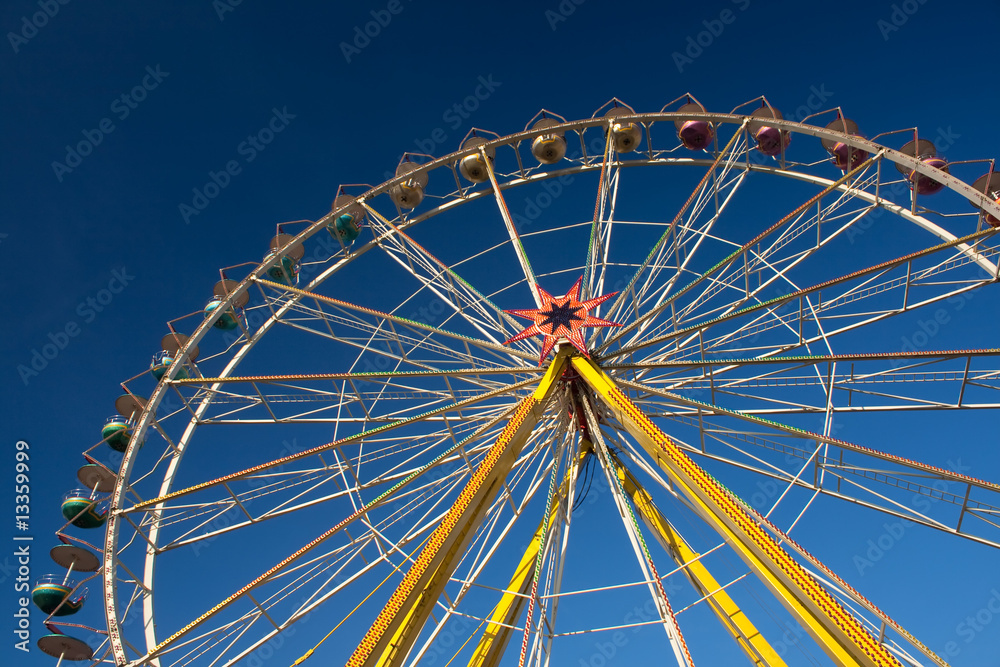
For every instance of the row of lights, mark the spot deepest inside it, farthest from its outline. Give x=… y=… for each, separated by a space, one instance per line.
x=60 y=596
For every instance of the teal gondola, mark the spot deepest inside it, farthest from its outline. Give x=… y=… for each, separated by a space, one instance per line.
x=54 y=595
x=83 y=510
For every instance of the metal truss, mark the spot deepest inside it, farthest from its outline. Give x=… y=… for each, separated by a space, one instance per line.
x=370 y=446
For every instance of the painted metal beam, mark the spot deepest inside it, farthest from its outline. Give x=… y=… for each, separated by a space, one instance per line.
x=500 y=625
x=834 y=629
x=378 y=430
x=515 y=238
x=968 y=239
x=730 y=615
x=732 y=257
x=346 y=305
x=392 y=634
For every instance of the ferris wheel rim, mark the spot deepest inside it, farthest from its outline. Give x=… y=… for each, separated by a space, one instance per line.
x=148 y=415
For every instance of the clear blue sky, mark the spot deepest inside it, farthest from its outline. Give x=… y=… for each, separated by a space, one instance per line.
x=199 y=77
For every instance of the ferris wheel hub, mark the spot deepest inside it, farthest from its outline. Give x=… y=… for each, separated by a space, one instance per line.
x=657 y=374
x=562 y=319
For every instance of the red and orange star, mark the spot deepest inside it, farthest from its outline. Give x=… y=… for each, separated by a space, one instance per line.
x=562 y=317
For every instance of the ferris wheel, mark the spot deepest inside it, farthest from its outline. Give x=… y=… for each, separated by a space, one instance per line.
x=565 y=394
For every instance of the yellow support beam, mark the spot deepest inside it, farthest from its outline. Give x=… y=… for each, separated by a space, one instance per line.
x=834 y=629
x=392 y=634
x=499 y=627
x=730 y=615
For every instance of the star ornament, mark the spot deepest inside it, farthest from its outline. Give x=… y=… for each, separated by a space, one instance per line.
x=562 y=318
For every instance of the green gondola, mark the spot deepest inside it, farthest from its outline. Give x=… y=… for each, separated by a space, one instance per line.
x=84 y=511
x=227 y=321
x=284 y=271
x=117 y=432
x=52 y=590
x=161 y=362
x=347 y=227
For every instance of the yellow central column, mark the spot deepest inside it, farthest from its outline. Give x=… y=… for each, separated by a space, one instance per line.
x=757 y=648
x=396 y=628
x=837 y=631
x=498 y=630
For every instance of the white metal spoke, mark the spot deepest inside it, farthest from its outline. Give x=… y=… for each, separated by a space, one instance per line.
x=874 y=283
x=485 y=345
x=654 y=584
x=734 y=256
x=465 y=300
x=356 y=397
x=841 y=469
x=515 y=238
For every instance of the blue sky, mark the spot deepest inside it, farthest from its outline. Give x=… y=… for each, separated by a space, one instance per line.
x=106 y=245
